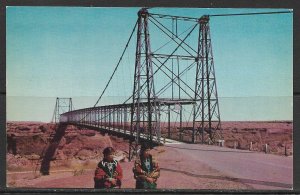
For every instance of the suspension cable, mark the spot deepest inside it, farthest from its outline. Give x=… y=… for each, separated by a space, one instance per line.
x=184 y=18
x=173 y=38
x=117 y=64
x=214 y=15
x=255 y=13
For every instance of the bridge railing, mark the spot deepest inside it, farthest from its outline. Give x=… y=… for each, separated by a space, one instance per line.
x=116 y=117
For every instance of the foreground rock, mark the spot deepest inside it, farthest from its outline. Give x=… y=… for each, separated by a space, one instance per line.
x=37 y=146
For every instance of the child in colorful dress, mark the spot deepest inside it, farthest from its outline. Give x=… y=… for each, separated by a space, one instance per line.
x=146 y=170
x=108 y=173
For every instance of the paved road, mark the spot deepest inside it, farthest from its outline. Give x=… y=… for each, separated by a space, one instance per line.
x=259 y=170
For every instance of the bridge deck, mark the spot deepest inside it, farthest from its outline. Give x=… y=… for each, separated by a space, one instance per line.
x=127 y=134
x=116 y=118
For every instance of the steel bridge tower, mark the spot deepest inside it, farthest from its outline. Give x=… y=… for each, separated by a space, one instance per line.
x=143 y=120
x=146 y=105
x=206 y=116
x=62 y=105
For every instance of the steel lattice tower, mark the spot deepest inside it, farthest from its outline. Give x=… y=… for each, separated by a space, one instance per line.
x=206 y=117
x=143 y=90
x=62 y=105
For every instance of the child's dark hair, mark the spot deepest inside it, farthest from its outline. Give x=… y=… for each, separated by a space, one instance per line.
x=108 y=150
x=144 y=147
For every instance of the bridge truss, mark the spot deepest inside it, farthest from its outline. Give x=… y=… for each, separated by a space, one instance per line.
x=167 y=66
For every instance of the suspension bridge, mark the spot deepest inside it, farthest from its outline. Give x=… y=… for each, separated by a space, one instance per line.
x=163 y=107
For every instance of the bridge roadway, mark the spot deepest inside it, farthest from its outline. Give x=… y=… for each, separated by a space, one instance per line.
x=125 y=134
x=107 y=118
x=255 y=169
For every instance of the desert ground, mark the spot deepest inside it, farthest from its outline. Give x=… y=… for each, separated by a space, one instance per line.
x=43 y=155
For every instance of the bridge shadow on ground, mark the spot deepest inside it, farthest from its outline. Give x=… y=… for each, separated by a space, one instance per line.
x=106 y=130
x=244 y=181
x=47 y=157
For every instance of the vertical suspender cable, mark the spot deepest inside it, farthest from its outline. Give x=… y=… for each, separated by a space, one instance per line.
x=117 y=64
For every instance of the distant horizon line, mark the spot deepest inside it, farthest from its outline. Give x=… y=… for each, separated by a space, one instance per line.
x=266 y=121
x=127 y=96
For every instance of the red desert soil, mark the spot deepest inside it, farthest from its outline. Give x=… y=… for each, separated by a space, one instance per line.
x=70 y=155
x=178 y=177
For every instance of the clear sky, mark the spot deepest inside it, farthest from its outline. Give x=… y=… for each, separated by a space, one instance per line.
x=72 y=51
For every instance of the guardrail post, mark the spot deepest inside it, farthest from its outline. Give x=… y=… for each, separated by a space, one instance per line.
x=169 y=122
x=266 y=148
x=125 y=120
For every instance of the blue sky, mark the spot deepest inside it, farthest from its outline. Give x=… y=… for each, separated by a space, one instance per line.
x=72 y=51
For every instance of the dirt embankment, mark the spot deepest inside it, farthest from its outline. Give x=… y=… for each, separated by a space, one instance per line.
x=246 y=135
x=41 y=147
x=255 y=135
